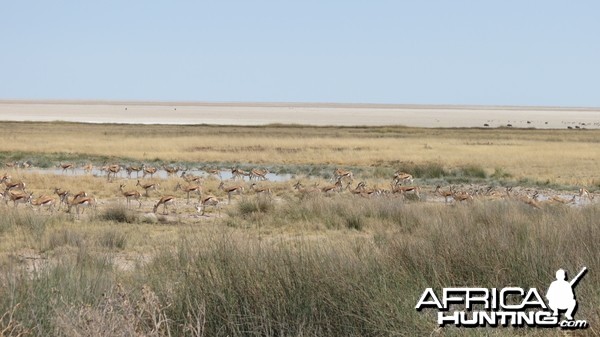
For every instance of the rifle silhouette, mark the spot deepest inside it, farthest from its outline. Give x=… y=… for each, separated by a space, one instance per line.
x=576 y=279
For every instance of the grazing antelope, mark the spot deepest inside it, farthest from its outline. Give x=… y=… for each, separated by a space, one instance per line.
x=171 y=171
x=11 y=165
x=148 y=170
x=82 y=202
x=67 y=166
x=558 y=199
x=130 y=169
x=214 y=172
x=131 y=195
x=190 y=178
x=190 y=189
x=305 y=191
x=87 y=168
x=340 y=174
x=444 y=194
x=260 y=190
x=209 y=200
x=403 y=190
x=239 y=173
x=238 y=189
x=46 y=201
x=259 y=174
x=166 y=200
x=147 y=187
x=402 y=178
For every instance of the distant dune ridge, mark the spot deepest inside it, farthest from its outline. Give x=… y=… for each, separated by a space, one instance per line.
x=224 y=113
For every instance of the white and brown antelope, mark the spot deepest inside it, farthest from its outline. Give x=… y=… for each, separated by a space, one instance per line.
x=402 y=178
x=209 y=200
x=133 y=194
x=236 y=189
x=62 y=195
x=171 y=171
x=44 y=201
x=337 y=187
x=260 y=190
x=259 y=174
x=404 y=190
x=444 y=194
x=67 y=166
x=189 y=189
x=112 y=170
x=214 y=172
x=18 y=197
x=340 y=174
x=148 y=170
x=130 y=169
x=13 y=185
x=81 y=203
x=147 y=187
x=239 y=173
x=190 y=178
x=585 y=194
x=88 y=168
x=165 y=200
x=304 y=191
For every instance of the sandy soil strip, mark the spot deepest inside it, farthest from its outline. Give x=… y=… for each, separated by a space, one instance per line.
x=298 y=113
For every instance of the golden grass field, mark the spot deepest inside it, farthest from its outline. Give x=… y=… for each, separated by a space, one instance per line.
x=335 y=264
x=558 y=156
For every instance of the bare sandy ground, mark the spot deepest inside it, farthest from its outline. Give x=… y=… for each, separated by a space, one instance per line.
x=298 y=113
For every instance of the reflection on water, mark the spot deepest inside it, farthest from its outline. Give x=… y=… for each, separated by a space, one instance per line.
x=160 y=174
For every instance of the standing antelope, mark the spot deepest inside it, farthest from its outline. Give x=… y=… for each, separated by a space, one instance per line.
x=259 y=174
x=402 y=178
x=166 y=200
x=16 y=185
x=445 y=194
x=171 y=171
x=82 y=202
x=148 y=170
x=190 y=189
x=130 y=169
x=340 y=174
x=209 y=200
x=88 y=168
x=584 y=193
x=131 y=195
x=147 y=187
x=67 y=166
x=214 y=172
x=260 y=190
x=403 y=190
x=19 y=197
x=239 y=173
x=190 y=178
x=63 y=195
x=46 y=201
x=230 y=190
x=113 y=169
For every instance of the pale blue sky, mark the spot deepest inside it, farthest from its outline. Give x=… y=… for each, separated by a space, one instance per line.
x=423 y=52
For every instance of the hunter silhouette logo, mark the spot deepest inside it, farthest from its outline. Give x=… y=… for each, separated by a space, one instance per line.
x=560 y=294
x=510 y=306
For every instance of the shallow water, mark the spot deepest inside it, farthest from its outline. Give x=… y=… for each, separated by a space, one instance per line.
x=160 y=174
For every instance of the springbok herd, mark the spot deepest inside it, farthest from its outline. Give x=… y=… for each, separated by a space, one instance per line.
x=401 y=185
